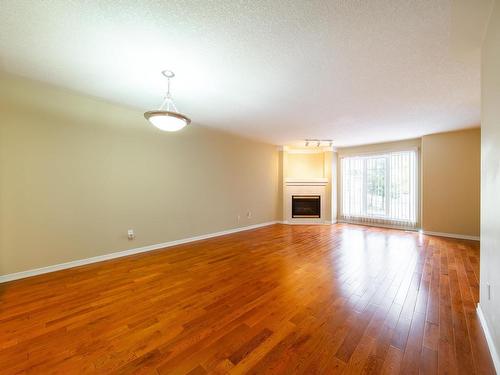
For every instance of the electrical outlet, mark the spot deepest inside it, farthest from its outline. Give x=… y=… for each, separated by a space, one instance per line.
x=131 y=234
x=249 y=214
x=239 y=218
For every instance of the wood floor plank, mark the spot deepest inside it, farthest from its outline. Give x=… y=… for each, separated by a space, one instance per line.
x=332 y=299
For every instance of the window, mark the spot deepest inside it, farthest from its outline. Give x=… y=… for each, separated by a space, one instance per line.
x=380 y=188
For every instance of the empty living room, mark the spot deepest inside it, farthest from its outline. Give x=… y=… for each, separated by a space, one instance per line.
x=250 y=187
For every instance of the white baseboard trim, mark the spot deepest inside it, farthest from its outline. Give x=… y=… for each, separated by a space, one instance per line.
x=489 y=339
x=452 y=235
x=325 y=222
x=124 y=253
x=377 y=225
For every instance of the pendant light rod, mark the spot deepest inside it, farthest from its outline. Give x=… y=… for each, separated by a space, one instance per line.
x=168 y=97
x=168 y=74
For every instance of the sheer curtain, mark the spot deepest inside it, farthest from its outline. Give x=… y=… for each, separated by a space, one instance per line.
x=380 y=189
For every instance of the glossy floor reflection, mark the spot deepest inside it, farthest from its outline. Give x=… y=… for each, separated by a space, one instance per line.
x=280 y=299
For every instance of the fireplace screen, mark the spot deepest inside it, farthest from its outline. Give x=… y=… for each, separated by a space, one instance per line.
x=306 y=206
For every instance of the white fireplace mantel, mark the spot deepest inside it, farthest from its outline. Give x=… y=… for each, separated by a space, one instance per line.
x=318 y=181
x=304 y=186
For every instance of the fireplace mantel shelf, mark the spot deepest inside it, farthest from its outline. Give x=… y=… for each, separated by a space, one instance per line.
x=318 y=181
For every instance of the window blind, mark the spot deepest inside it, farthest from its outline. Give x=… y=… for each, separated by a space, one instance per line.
x=380 y=189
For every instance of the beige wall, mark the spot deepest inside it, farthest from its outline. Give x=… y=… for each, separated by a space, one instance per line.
x=450 y=178
x=330 y=172
x=76 y=173
x=451 y=182
x=380 y=147
x=281 y=169
x=304 y=165
x=490 y=177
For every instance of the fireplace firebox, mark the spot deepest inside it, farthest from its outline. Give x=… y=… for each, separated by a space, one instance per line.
x=306 y=206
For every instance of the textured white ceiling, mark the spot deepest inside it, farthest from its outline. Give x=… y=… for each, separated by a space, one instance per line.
x=281 y=71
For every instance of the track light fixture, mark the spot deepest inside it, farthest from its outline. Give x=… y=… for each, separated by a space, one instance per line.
x=318 y=142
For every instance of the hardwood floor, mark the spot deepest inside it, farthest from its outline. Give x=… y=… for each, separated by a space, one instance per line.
x=282 y=299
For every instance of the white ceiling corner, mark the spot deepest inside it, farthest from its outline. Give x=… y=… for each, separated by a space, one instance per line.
x=280 y=71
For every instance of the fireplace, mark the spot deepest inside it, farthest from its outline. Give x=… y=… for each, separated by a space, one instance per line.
x=306 y=206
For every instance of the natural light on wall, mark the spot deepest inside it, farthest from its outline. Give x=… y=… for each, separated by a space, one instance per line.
x=380 y=189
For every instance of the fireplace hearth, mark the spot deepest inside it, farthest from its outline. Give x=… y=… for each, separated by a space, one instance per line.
x=306 y=206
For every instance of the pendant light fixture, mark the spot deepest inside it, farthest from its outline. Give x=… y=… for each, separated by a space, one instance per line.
x=168 y=119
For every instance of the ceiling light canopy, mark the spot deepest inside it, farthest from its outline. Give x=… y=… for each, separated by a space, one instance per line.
x=168 y=119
